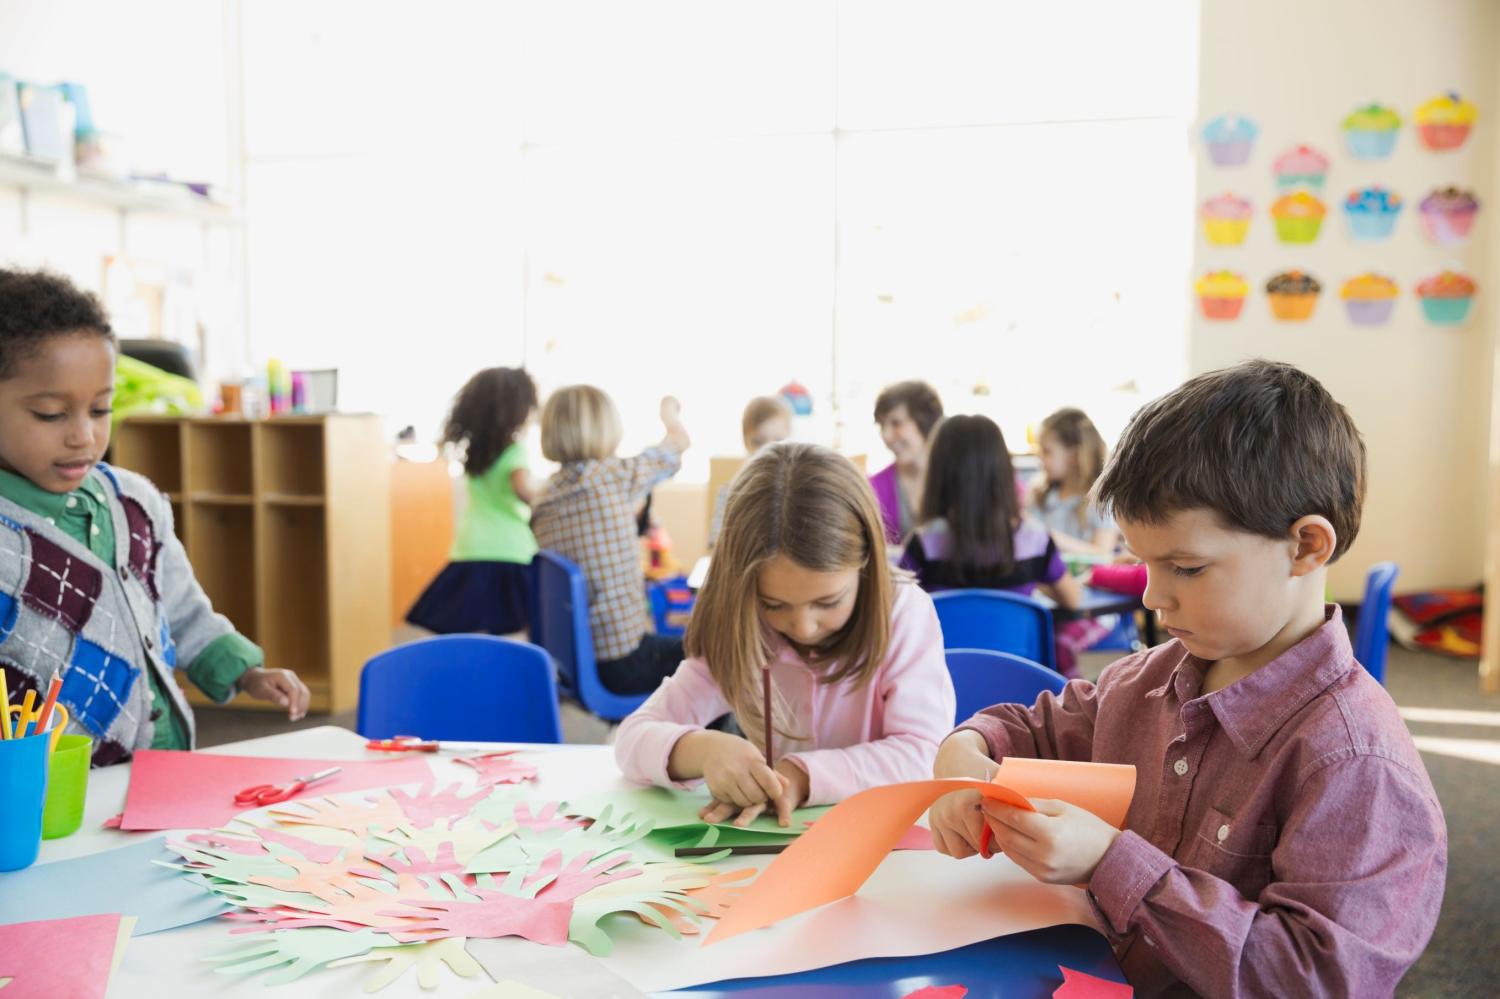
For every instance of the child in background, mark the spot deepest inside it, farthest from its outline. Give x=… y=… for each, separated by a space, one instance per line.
x=586 y=513
x=95 y=587
x=1073 y=455
x=484 y=587
x=971 y=534
x=800 y=620
x=767 y=419
x=1284 y=838
x=906 y=412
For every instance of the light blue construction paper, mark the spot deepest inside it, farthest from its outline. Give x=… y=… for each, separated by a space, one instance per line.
x=123 y=880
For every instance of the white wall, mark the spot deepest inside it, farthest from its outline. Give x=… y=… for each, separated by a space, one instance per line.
x=1419 y=393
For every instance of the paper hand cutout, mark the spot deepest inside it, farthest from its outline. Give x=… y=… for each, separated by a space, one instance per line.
x=546 y=819
x=427 y=958
x=295 y=954
x=656 y=888
x=364 y=905
x=485 y=912
x=468 y=836
x=499 y=768
x=233 y=844
x=427 y=806
x=382 y=812
x=710 y=901
x=330 y=882
x=416 y=863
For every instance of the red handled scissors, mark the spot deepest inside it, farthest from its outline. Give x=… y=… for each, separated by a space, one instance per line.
x=402 y=744
x=270 y=794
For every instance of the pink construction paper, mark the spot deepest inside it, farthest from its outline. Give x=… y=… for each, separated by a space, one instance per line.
x=172 y=789
x=499 y=767
x=59 y=957
x=1077 y=985
x=939 y=992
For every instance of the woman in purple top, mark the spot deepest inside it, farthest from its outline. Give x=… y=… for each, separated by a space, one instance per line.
x=970 y=533
x=906 y=413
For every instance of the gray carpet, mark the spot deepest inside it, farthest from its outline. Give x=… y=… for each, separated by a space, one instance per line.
x=1463 y=959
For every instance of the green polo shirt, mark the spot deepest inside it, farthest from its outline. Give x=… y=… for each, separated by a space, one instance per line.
x=84 y=515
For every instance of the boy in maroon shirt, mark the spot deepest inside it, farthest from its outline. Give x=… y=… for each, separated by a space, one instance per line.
x=1284 y=838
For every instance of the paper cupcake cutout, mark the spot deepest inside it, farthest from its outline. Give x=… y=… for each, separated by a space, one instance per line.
x=1369 y=299
x=1372 y=212
x=1370 y=132
x=1293 y=296
x=1446 y=297
x=1300 y=168
x=1221 y=294
x=798 y=397
x=1445 y=121
x=1226 y=219
x=1447 y=215
x=1229 y=138
x=1298 y=217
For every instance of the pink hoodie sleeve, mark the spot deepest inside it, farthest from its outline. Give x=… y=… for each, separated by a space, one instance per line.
x=914 y=707
x=685 y=702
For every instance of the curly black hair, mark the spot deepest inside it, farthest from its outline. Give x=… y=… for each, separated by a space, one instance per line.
x=487 y=414
x=36 y=306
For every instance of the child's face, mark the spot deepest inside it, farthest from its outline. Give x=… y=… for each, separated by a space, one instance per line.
x=54 y=411
x=1224 y=593
x=1057 y=458
x=808 y=608
x=902 y=435
x=768 y=432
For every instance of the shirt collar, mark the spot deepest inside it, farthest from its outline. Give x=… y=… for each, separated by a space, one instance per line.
x=1254 y=708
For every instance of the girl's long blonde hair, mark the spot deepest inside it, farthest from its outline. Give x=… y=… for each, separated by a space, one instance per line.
x=816 y=508
x=1073 y=429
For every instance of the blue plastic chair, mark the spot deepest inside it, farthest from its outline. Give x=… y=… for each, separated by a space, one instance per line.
x=561 y=626
x=467 y=688
x=1372 y=635
x=997 y=620
x=982 y=677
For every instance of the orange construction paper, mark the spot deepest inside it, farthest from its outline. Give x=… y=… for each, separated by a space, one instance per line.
x=842 y=849
x=1077 y=985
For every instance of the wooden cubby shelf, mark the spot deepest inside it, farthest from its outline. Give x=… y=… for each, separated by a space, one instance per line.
x=287 y=524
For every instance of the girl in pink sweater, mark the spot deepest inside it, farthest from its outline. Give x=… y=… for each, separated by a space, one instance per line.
x=832 y=666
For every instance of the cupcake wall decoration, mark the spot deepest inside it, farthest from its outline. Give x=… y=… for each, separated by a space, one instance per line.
x=1372 y=212
x=1298 y=217
x=1446 y=297
x=1447 y=215
x=1221 y=294
x=1301 y=168
x=1226 y=219
x=1370 y=132
x=1369 y=299
x=1293 y=295
x=1229 y=139
x=1445 y=121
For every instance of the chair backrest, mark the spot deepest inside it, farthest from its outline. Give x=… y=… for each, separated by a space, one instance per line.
x=560 y=624
x=982 y=677
x=1372 y=631
x=996 y=620
x=466 y=688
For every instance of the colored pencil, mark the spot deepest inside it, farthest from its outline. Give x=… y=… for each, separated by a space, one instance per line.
x=49 y=703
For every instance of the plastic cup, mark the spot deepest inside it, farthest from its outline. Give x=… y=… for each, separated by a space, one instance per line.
x=67 y=785
x=23 y=792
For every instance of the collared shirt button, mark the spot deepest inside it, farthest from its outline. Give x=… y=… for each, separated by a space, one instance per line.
x=1223 y=833
x=51 y=521
x=1180 y=768
x=93 y=528
x=72 y=502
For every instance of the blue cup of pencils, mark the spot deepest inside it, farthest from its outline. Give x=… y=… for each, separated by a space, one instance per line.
x=26 y=746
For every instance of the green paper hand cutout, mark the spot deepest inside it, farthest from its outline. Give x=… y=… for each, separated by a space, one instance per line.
x=428 y=958
x=295 y=954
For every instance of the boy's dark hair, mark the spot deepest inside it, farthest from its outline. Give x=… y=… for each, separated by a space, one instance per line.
x=36 y=306
x=1261 y=444
x=920 y=399
x=971 y=485
x=487 y=413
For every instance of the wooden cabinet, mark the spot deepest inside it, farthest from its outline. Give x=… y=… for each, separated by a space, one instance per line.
x=287 y=523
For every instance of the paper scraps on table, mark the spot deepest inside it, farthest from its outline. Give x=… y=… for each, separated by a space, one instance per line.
x=1078 y=985
x=499 y=768
x=123 y=880
x=172 y=789
x=833 y=858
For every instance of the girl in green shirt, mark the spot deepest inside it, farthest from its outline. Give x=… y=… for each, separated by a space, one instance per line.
x=484 y=587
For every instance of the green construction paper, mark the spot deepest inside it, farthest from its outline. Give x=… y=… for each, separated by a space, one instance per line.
x=670 y=808
x=290 y=954
x=428 y=958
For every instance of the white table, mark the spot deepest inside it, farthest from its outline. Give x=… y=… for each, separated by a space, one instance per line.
x=913 y=901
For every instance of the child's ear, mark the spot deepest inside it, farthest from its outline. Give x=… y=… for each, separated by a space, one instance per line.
x=1314 y=540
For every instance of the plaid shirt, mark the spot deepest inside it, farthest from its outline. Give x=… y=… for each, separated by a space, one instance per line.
x=587 y=515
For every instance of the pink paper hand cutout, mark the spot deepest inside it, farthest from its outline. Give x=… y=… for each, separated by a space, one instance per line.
x=329 y=882
x=320 y=853
x=1077 y=985
x=493 y=914
x=234 y=844
x=577 y=878
x=426 y=806
x=416 y=862
x=363 y=905
x=381 y=813
x=546 y=819
x=499 y=767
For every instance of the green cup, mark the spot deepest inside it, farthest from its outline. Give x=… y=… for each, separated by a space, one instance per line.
x=67 y=784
